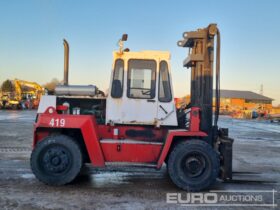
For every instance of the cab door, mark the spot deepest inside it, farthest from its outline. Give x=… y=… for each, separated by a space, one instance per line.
x=166 y=112
x=140 y=104
x=133 y=93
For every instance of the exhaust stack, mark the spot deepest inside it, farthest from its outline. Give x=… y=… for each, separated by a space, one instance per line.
x=74 y=90
x=66 y=62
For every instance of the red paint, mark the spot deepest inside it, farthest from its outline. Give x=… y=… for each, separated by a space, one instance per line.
x=62 y=108
x=88 y=127
x=170 y=138
x=107 y=131
x=137 y=153
x=100 y=152
x=39 y=135
x=194 y=119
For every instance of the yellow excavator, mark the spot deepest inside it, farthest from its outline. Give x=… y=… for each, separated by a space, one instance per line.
x=25 y=95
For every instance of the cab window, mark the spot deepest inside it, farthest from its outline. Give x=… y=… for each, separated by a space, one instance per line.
x=164 y=83
x=141 y=79
x=117 y=83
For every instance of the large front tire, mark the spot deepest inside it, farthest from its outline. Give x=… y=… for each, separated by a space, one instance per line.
x=56 y=160
x=193 y=165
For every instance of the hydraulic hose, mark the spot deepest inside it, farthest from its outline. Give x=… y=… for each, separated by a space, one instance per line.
x=217 y=105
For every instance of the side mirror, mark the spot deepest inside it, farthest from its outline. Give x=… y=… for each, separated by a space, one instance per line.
x=124 y=37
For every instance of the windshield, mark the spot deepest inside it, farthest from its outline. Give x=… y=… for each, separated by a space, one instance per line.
x=141 y=79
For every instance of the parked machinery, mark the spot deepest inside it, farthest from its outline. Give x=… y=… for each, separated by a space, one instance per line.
x=25 y=95
x=30 y=93
x=137 y=124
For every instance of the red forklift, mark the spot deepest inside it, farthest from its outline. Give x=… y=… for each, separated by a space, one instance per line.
x=137 y=122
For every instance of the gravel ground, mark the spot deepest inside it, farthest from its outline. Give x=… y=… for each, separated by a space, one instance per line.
x=256 y=165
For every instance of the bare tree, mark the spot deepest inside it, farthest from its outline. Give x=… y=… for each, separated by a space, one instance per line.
x=50 y=86
x=7 y=86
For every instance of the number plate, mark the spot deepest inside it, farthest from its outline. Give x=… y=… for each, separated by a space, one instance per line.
x=57 y=122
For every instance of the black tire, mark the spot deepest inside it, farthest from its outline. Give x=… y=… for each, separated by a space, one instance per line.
x=193 y=165
x=56 y=160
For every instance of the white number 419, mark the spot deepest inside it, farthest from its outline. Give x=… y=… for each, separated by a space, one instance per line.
x=57 y=122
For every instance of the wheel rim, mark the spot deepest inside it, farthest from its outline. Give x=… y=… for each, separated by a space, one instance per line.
x=194 y=164
x=55 y=160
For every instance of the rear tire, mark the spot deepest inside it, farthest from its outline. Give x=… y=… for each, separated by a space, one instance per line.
x=56 y=160
x=193 y=165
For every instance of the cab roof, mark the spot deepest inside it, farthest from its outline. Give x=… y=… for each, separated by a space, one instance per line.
x=147 y=54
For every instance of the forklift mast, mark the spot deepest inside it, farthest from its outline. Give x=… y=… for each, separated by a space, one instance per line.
x=200 y=59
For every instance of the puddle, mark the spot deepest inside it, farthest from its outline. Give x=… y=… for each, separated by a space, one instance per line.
x=104 y=179
x=27 y=176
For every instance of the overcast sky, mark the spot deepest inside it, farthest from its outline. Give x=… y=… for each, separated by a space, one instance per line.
x=31 y=35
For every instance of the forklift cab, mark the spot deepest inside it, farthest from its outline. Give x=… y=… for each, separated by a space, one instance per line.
x=141 y=90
